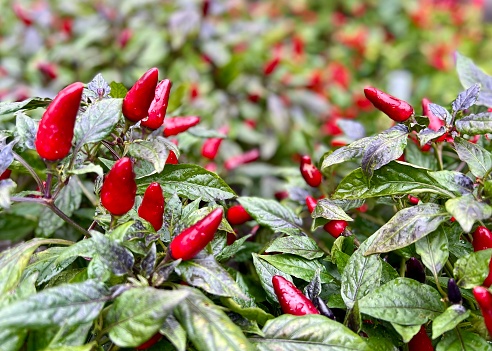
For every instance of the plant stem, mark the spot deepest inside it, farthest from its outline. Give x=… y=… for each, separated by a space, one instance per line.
x=51 y=205
x=439 y=286
x=438 y=153
x=30 y=170
x=94 y=201
x=113 y=152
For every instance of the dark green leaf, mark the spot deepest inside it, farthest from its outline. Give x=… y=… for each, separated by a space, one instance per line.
x=297 y=245
x=447 y=321
x=478 y=159
x=174 y=332
x=253 y=313
x=265 y=272
x=231 y=250
x=472 y=269
x=47 y=265
x=467 y=210
x=460 y=340
x=347 y=153
x=118 y=90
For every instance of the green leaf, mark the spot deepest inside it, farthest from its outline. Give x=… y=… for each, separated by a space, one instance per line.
x=467 y=210
x=447 y=321
x=347 y=153
x=298 y=267
x=231 y=250
x=207 y=326
x=118 y=90
x=480 y=123
x=360 y=276
x=460 y=340
x=427 y=135
x=174 y=332
x=433 y=250
x=394 y=179
x=252 y=313
x=406 y=227
x=98 y=121
x=137 y=314
x=296 y=245
x=67 y=304
x=440 y=112
x=456 y=182
x=155 y=151
x=272 y=214
x=472 y=269
x=176 y=97
x=416 y=157
x=309 y=332
x=47 y=265
x=386 y=147
x=207 y=274
x=478 y=159
x=327 y=210
x=190 y=181
x=265 y=272
x=26 y=128
x=7 y=108
x=403 y=301
x=470 y=74
x=466 y=99
x=87 y=168
x=407 y=332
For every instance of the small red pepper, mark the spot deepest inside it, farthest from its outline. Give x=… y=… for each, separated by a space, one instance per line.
x=158 y=106
x=192 y=240
x=311 y=203
x=310 y=172
x=488 y=281
x=281 y=195
x=211 y=146
x=176 y=125
x=484 y=299
x=435 y=123
x=335 y=227
x=172 y=159
x=291 y=299
x=413 y=200
x=124 y=37
x=48 y=70
x=152 y=207
x=138 y=99
x=5 y=174
x=237 y=215
x=482 y=239
x=151 y=342
x=119 y=188
x=247 y=157
x=55 y=131
x=21 y=14
x=420 y=341
x=396 y=109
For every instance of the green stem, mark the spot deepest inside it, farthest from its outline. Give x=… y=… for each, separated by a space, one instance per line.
x=403 y=267
x=438 y=153
x=443 y=294
x=62 y=215
x=30 y=170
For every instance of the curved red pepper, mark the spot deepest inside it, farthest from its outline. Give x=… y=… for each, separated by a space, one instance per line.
x=237 y=215
x=55 y=132
x=396 y=109
x=151 y=342
x=119 y=188
x=192 y=240
x=5 y=174
x=482 y=239
x=247 y=157
x=484 y=299
x=335 y=228
x=310 y=172
x=172 y=159
x=158 y=106
x=291 y=299
x=176 y=125
x=311 y=203
x=138 y=99
x=435 y=123
x=211 y=146
x=420 y=341
x=152 y=207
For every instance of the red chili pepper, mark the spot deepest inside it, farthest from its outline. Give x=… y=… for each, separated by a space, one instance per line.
x=413 y=200
x=420 y=341
x=271 y=65
x=124 y=37
x=484 y=299
x=212 y=167
x=211 y=146
x=396 y=109
x=172 y=159
x=176 y=125
x=55 y=131
x=192 y=240
x=5 y=174
x=119 y=188
x=311 y=203
x=335 y=228
x=310 y=172
x=435 y=123
x=48 y=70
x=291 y=299
x=247 y=157
x=137 y=101
x=152 y=207
x=281 y=195
x=21 y=14
x=158 y=106
x=151 y=342
x=488 y=281
x=237 y=215
x=482 y=239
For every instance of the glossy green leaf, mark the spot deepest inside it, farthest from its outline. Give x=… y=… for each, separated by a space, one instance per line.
x=447 y=321
x=7 y=108
x=298 y=267
x=478 y=159
x=456 y=182
x=174 y=332
x=480 y=123
x=265 y=272
x=155 y=151
x=327 y=210
x=47 y=265
x=467 y=98
x=460 y=340
x=472 y=269
x=467 y=210
x=26 y=128
x=407 y=332
x=346 y=153
x=433 y=250
x=296 y=245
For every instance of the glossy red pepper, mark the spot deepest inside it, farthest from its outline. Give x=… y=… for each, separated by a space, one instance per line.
x=435 y=123
x=335 y=228
x=310 y=172
x=172 y=159
x=311 y=203
x=238 y=160
x=119 y=188
x=484 y=299
x=55 y=131
x=149 y=343
x=291 y=299
x=152 y=207
x=421 y=341
x=5 y=174
x=211 y=146
x=192 y=240
x=237 y=215
x=176 y=125
x=413 y=200
x=158 y=106
x=138 y=99
x=396 y=109
x=482 y=239
x=488 y=281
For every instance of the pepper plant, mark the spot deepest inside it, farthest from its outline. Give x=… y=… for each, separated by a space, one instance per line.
x=135 y=250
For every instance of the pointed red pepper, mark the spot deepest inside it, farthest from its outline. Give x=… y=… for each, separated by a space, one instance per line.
x=138 y=99
x=420 y=341
x=152 y=207
x=172 y=159
x=237 y=215
x=158 y=106
x=5 y=174
x=311 y=203
x=55 y=132
x=211 y=146
x=291 y=299
x=335 y=228
x=310 y=172
x=435 y=123
x=482 y=239
x=119 y=188
x=484 y=299
x=247 y=157
x=192 y=240
x=176 y=125
x=149 y=343
x=396 y=109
